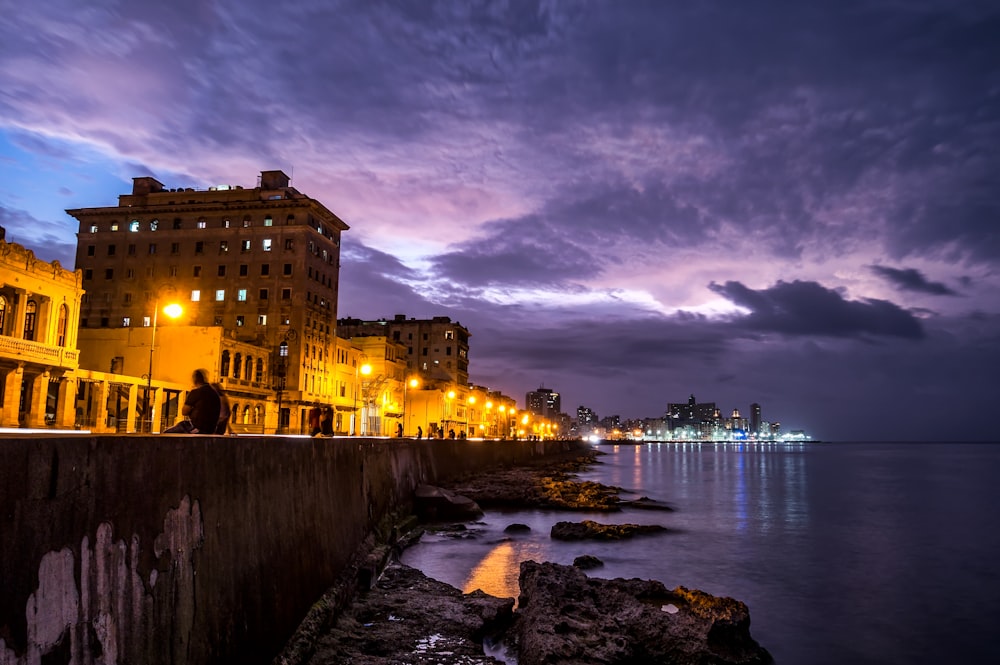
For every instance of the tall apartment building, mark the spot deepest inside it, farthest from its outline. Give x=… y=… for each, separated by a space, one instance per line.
x=543 y=402
x=261 y=263
x=437 y=349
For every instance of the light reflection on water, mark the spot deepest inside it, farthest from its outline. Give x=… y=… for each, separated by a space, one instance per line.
x=860 y=553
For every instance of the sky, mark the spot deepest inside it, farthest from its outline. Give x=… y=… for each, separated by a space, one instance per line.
x=788 y=203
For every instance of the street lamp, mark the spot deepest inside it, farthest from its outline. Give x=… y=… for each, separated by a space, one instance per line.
x=468 y=414
x=412 y=383
x=282 y=359
x=172 y=310
x=365 y=369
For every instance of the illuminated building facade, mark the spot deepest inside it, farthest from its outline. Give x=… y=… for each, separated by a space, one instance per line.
x=543 y=402
x=39 y=310
x=262 y=264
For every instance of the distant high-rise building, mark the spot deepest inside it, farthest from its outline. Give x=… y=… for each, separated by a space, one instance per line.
x=691 y=413
x=755 y=419
x=543 y=402
x=586 y=416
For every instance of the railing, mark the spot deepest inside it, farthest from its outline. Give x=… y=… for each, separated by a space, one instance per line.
x=31 y=351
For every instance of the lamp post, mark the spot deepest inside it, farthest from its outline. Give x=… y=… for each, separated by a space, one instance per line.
x=172 y=310
x=282 y=359
x=365 y=369
x=411 y=383
x=468 y=414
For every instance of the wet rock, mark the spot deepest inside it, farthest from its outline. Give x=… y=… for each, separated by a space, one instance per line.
x=438 y=504
x=517 y=528
x=589 y=530
x=645 y=503
x=566 y=617
x=587 y=562
x=408 y=618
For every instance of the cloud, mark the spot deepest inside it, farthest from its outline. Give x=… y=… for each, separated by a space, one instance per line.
x=910 y=279
x=807 y=308
x=47 y=240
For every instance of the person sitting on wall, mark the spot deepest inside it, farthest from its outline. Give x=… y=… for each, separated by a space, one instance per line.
x=201 y=408
x=326 y=424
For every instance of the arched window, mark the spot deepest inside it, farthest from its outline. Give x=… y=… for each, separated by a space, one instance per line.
x=235 y=413
x=256 y=414
x=3 y=313
x=237 y=365
x=246 y=414
x=61 y=325
x=259 y=376
x=30 y=312
x=224 y=369
x=248 y=368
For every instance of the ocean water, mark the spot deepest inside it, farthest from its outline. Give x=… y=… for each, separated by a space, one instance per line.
x=844 y=552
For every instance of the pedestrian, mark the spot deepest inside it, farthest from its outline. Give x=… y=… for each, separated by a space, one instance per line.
x=224 y=411
x=451 y=433
x=326 y=424
x=201 y=408
x=399 y=430
x=314 y=426
x=420 y=432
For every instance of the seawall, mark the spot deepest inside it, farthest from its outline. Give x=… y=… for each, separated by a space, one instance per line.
x=186 y=549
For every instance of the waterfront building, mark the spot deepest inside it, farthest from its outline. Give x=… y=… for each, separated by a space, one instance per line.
x=260 y=263
x=39 y=311
x=543 y=402
x=755 y=419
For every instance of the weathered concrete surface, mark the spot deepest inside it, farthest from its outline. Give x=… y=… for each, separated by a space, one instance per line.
x=186 y=549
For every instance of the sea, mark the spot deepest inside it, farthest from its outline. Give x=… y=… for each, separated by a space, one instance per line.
x=879 y=553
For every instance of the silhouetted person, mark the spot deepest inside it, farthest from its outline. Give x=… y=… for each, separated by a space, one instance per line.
x=201 y=407
x=420 y=432
x=326 y=424
x=224 y=411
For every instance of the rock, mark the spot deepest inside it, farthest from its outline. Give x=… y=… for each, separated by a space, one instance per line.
x=408 y=618
x=645 y=503
x=437 y=504
x=566 y=617
x=588 y=530
x=517 y=528
x=587 y=562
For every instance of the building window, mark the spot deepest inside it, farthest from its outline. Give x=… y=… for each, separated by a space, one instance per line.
x=195 y=295
x=152 y=248
x=289 y=244
x=131 y=249
x=130 y=273
x=30 y=312
x=246 y=222
x=114 y=226
x=286 y=294
x=241 y=295
x=173 y=271
x=222 y=270
x=133 y=226
x=267 y=244
x=146 y=322
x=268 y=221
x=128 y=298
x=153 y=225
x=109 y=273
x=111 y=250
x=244 y=270
x=245 y=246
x=262 y=319
x=449 y=334
x=220 y=295
x=265 y=269
x=287 y=269
x=175 y=248
x=60 y=325
x=217 y=321
x=91 y=250
x=199 y=247
x=126 y=322
x=262 y=294
x=223 y=246
x=196 y=271
x=93 y=228
x=177 y=223
x=201 y=223
x=88 y=274
x=225 y=223
x=239 y=324
x=224 y=364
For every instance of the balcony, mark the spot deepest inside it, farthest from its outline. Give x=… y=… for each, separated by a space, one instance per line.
x=24 y=350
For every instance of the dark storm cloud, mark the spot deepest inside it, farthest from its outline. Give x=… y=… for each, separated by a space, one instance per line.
x=45 y=239
x=807 y=308
x=910 y=279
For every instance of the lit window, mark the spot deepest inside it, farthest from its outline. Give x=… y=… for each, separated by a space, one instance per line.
x=268 y=221
x=246 y=222
x=201 y=223
x=146 y=322
x=195 y=295
x=245 y=246
x=289 y=244
x=241 y=295
x=114 y=226
x=239 y=322
x=267 y=244
x=225 y=223
x=133 y=226
x=93 y=228
x=153 y=225
x=220 y=295
x=126 y=322
x=261 y=321
x=223 y=246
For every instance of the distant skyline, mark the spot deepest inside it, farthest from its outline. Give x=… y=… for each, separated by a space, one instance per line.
x=794 y=204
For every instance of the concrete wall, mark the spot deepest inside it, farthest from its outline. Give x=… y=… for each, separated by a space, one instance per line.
x=184 y=549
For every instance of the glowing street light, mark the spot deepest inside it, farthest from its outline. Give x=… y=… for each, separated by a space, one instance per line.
x=173 y=310
x=365 y=370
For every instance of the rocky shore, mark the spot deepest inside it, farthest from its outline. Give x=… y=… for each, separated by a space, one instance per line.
x=400 y=616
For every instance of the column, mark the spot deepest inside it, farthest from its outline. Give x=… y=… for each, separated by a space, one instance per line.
x=66 y=406
x=9 y=416
x=101 y=400
x=134 y=419
x=35 y=417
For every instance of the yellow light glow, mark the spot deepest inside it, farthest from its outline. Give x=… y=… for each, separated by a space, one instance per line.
x=489 y=404
x=414 y=383
x=451 y=394
x=472 y=400
x=173 y=310
x=366 y=369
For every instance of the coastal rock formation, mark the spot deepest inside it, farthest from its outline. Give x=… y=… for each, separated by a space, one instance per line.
x=408 y=618
x=589 y=530
x=437 y=504
x=587 y=561
x=564 y=616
